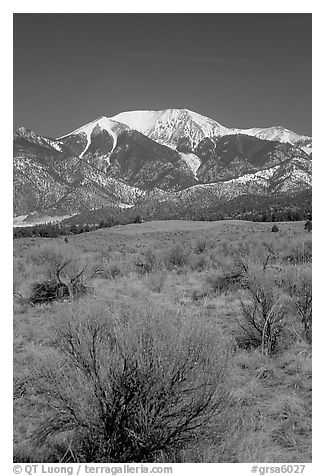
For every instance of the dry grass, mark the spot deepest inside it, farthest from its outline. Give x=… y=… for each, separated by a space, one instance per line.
x=153 y=304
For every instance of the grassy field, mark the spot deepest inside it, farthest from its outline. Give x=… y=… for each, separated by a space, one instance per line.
x=170 y=341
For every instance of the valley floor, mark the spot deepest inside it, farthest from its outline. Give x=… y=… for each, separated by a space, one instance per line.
x=186 y=288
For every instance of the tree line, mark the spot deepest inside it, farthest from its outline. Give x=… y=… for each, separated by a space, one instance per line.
x=54 y=230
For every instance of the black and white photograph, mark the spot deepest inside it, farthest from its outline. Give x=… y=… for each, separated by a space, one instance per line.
x=162 y=241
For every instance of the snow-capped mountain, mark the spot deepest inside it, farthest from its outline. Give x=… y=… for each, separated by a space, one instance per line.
x=151 y=155
x=289 y=176
x=50 y=177
x=276 y=133
x=87 y=133
x=177 y=128
x=169 y=126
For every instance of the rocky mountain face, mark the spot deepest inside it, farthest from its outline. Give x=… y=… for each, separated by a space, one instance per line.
x=50 y=179
x=151 y=156
x=173 y=125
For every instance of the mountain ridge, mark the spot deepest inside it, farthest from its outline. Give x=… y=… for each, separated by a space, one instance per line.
x=108 y=162
x=269 y=133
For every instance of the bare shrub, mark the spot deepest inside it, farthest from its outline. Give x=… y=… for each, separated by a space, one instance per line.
x=47 y=291
x=262 y=253
x=63 y=273
x=106 y=268
x=18 y=269
x=147 y=262
x=114 y=270
x=129 y=384
x=298 y=252
x=298 y=284
x=176 y=257
x=263 y=310
x=217 y=282
x=229 y=277
x=22 y=278
x=268 y=257
x=308 y=226
x=52 y=256
x=200 y=246
x=99 y=267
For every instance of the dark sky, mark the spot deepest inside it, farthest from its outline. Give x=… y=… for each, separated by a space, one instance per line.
x=242 y=70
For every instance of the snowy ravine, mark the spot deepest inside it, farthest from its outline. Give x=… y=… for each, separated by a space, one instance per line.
x=104 y=123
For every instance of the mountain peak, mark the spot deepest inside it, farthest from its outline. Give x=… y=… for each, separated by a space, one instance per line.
x=123 y=159
x=103 y=122
x=23 y=131
x=26 y=133
x=169 y=126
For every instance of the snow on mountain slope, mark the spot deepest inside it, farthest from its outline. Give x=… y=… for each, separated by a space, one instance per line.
x=34 y=218
x=192 y=161
x=53 y=182
x=308 y=150
x=31 y=136
x=290 y=176
x=120 y=160
x=170 y=125
x=105 y=123
x=294 y=175
x=262 y=175
x=142 y=121
x=275 y=133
